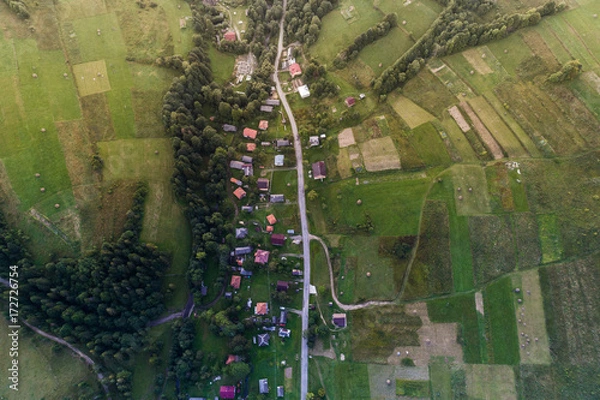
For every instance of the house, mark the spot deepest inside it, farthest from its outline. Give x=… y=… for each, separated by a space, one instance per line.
x=230 y=36
x=236 y=164
x=245 y=273
x=250 y=133
x=247 y=159
x=263 y=125
x=350 y=101
x=303 y=91
x=263 y=339
x=263 y=184
x=271 y=219
x=228 y=295
x=295 y=70
x=229 y=128
x=266 y=109
x=278 y=239
x=236 y=281
x=241 y=233
x=232 y=359
x=236 y=181
x=227 y=392
x=362 y=96
x=339 y=320
x=250 y=147
x=280 y=392
x=269 y=228
x=241 y=251
x=261 y=257
x=239 y=193
x=247 y=209
x=265 y=144
x=276 y=198
x=262 y=309
x=283 y=333
x=313 y=141
x=283 y=317
x=248 y=170
x=297 y=272
x=279 y=158
x=282 y=143
x=282 y=286
x=272 y=102
x=263 y=386
x=319 y=170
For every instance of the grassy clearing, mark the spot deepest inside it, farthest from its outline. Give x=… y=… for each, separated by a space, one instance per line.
x=495 y=381
x=501 y=326
x=376 y=332
x=402 y=199
x=411 y=114
x=493 y=247
x=487 y=72
x=461 y=309
x=432 y=271
x=380 y=154
x=428 y=144
x=475 y=202
x=429 y=93
x=222 y=65
x=385 y=51
x=91 y=77
x=343 y=380
x=549 y=238
x=45 y=372
x=460 y=142
x=412 y=388
x=587 y=89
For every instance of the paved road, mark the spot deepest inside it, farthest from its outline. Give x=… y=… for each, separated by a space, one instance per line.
x=303 y=219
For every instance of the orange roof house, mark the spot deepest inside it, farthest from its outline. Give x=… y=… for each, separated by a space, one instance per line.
x=271 y=219
x=239 y=193
x=236 y=281
x=230 y=36
x=236 y=181
x=263 y=125
x=261 y=309
x=295 y=70
x=269 y=228
x=250 y=147
x=250 y=133
x=261 y=256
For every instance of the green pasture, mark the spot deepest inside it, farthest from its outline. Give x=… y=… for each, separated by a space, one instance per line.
x=393 y=207
x=480 y=82
x=510 y=52
x=553 y=42
x=411 y=113
x=386 y=50
x=343 y=380
x=501 y=324
x=450 y=79
x=222 y=65
x=460 y=142
x=427 y=142
x=475 y=202
x=461 y=309
x=549 y=238
x=144 y=373
x=43 y=371
x=495 y=381
x=284 y=182
x=562 y=26
x=418 y=14
x=586 y=88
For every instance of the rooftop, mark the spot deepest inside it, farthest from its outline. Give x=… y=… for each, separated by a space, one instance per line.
x=261 y=256
x=250 y=133
x=239 y=193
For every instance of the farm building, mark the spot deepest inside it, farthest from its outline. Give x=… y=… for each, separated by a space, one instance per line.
x=240 y=251
x=236 y=281
x=236 y=164
x=229 y=128
x=266 y=109
x=263 y=125
x=297 y=272
x=276 y=198
x=263 y=339
x=263 y=386
x=280 y=392
x=304 y=91
x=261 y=309
x=319 y=171
x=283 y=333
x=295 y=70
x=245 y=273
x=247 y=159
x=239 y=193
x=339 y=320
x=250 y=133
x=282 y=143
x=313 y=141
x=230 y=36
x=271 y=219
x=278 y=239
x=241 y=233
x=282 y=286
x=272 y=102
x=263 y=184
x=350 y=101
x=279 y=158
x=250 y=147
x=247 y=209
x=227 y=392
x=261 y=257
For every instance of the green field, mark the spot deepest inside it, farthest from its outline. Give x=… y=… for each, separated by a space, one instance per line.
x=428 y=144
x=501 y=324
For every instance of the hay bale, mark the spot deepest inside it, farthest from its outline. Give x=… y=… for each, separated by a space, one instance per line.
x=42 y=190
x=34 y=76
x=57 y=205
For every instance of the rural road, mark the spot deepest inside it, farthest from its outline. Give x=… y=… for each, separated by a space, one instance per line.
x=303 y=219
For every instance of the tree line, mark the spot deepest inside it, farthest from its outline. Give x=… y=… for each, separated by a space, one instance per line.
x=19 y=7
x=303 y=19
x=456 y=29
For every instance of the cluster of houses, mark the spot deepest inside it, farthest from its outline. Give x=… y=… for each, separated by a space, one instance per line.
x=289 y=64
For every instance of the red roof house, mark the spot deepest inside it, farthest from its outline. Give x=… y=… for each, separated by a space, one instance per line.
x=350 y=101
x=278 y=239
x=269 y=228
x=232 y=359
x=250 y=147
x=230 y=36
x=227 y=392
x=263 y=125
x=263 y=184
x=271 y=219
x=319 y=171
x=236 y=280
x=250 y=133
x=261 y=309
x=295 y=70
x=239 y=193
x=261 y=256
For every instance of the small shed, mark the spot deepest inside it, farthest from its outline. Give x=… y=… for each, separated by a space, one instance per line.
x=267 y=109
x=279 y=159
x=339 y=320
x=304 y=91
x=227 y=392
x=230 y=36
x=350 y=101
x=313 y=141
x=250 y=147
x=263 y=339
x=241 y=233
x=263 y=184
x=247 y=159
x=280 y=392
x=277 y=198
x=278 y=239
x=229 y=128
x=263 y=125
x=263 y=386
x=282 y=143
x=261 y=308
x=282 y=286
x=236 y=281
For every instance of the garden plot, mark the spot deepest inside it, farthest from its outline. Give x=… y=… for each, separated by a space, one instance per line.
x=410 y=113
x=380 y=154
x=470 y=202
x=490 y=382
x=346 y=138
x=485 y=135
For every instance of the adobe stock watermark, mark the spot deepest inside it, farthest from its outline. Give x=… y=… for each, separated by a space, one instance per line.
x=13 y=327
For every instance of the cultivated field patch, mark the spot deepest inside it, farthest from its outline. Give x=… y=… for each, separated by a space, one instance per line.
x=501 y=327
x=346 y=138
x=490 y=382
x=493 y=247
x=531 y=322
x=428 y=144
x=484 y=134
x=470 y=190
x=380 y=154
x=428 y=92
x=473 y=56
x=411 y=114
x=529 y=251
x=91 y=77
x=549 y=238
